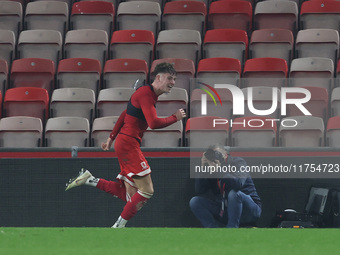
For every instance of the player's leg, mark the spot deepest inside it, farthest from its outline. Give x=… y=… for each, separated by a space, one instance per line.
x=116 y=189
x=135 y=170
x=144 y=183
x=84 y=178
x=138 y=200
x=130 y=191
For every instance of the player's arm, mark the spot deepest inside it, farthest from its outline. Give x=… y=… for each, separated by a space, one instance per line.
x=152 y=119
x=119 y=124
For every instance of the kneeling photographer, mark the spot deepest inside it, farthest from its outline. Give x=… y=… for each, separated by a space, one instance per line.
x=234 y=200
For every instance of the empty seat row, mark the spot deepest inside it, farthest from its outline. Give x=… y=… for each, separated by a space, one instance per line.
x=129 y=73
x=28 y=132
x=266 y=101
x=260 y=132
x=81 y=102
x=143 y=15
x=174 y=43
x=256 y=101
x=65 y=132
x=278 y=43
x=179 y=14
x=54 y=15
x=176 y=14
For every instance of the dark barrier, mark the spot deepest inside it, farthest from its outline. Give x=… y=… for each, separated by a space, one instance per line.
x=32 y=192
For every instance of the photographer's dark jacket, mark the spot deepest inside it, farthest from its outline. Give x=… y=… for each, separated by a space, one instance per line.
x=233 y=181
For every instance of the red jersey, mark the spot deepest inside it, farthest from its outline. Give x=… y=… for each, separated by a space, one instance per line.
x=140 y=114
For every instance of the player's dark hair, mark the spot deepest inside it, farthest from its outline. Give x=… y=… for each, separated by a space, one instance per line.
x=164 y=67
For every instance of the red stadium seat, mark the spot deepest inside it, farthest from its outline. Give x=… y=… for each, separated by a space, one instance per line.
x=219 y=70
x=137 y=44
x=233 y=14
x=79 y=73
x=33 y=72
x=125 y=73
x=335 y=102
x=337 y=69
x=333 y=132
x=271 y=72
x=93 y=15
x=227 y=43
x=320 y=14
x=27 y=101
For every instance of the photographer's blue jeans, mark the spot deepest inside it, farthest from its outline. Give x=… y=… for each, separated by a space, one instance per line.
x=241 y=209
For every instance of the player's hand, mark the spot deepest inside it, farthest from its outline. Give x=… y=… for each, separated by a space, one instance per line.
x=107 y=145
x=180 y=114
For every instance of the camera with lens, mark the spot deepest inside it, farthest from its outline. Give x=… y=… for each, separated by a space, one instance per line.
x=212 y=155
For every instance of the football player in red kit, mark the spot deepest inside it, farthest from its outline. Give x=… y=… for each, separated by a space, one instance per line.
x=134 y=184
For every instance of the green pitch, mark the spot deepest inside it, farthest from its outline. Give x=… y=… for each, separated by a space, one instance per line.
x=149 y=241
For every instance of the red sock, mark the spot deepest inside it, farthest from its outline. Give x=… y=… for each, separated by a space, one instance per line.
x=114 y=188
x=136 y=203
